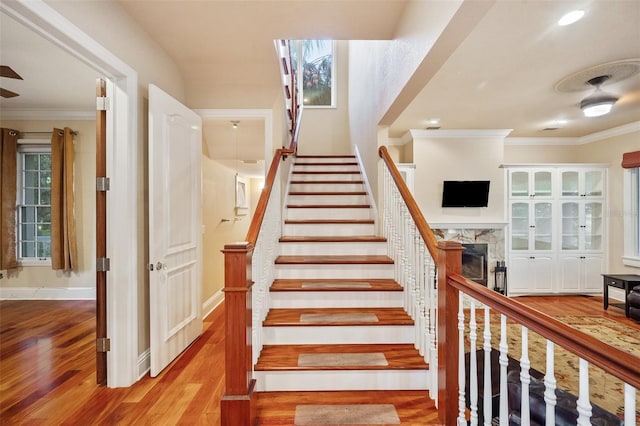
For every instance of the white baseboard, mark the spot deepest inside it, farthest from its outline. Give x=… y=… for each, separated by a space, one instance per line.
x=144 y=363
x=47 y=293
x=211 y=303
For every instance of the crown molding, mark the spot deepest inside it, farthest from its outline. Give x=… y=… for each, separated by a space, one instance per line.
x=458 y=133
x=583 y=140
x=47 y=114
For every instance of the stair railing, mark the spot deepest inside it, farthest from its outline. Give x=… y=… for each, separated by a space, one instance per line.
x=248 y=273
x=461 y=299
x=412 y=245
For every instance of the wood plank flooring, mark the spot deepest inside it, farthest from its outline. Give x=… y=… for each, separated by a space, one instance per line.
x=47 y=372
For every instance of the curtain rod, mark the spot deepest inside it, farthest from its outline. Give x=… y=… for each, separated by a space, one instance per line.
x=73 y=132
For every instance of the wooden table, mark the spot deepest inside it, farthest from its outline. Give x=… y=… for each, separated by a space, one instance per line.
x=625 y=281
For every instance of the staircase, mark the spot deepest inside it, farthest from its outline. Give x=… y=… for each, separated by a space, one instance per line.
x=337 y=321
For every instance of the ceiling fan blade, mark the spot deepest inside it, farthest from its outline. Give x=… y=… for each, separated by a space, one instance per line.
x=7 y=71
x=7 y=93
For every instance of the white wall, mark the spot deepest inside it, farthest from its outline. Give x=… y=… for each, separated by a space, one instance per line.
x=464 y=155
x=325 y=131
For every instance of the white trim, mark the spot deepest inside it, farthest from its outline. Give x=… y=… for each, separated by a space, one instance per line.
x=230 y=114
x=554 y=165
x=212 y=303
x=372 y=201
x=583 y=140
x=122 y=147
x=459 y=133
x=47 y=293
x=47 y=114
x=541 y=141
x=144 y=363
x=630 y=220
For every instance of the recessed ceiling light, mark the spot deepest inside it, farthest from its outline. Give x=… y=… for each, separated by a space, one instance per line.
x=571 y=17
x=433 y=121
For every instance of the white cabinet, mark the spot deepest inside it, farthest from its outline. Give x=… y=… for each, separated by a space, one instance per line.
x=556 y=235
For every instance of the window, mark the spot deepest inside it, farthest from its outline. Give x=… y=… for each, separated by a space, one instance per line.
x=315 y=72
x=34 y=204
x=632 y=217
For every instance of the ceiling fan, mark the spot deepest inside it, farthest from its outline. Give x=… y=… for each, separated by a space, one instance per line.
x=8 y=72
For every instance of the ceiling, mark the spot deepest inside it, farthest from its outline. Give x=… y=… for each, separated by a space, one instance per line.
x=502 y=76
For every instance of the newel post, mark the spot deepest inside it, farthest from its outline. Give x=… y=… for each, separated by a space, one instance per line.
x=237 y=407
x=449 y=262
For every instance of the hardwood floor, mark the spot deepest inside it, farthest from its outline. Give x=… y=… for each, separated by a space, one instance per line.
x=47 y=372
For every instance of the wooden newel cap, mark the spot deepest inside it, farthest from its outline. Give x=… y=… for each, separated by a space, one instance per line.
x=237 y=246
x=450 y=245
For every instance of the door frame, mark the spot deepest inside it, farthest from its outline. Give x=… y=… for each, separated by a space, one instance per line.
x=122 y=154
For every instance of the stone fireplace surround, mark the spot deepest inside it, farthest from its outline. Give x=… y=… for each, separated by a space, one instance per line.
x=492 y=234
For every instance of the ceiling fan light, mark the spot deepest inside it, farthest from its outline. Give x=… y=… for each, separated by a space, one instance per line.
x=597 y=105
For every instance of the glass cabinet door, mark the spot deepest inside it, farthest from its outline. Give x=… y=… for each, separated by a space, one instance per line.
x=520 y=184
x=593 y=226
x=570 y=184
x=542 y=184
x=543 y=221
x=520 y=226
x=593 y=183
x=570 y=226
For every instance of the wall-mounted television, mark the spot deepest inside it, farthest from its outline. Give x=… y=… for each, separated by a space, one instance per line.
x=465 y=193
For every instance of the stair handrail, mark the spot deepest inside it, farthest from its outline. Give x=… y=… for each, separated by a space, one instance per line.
x=415 y=212
x=452 y=286
x=245 y=262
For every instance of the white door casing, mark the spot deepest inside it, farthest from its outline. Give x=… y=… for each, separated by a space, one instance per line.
x=175 y=218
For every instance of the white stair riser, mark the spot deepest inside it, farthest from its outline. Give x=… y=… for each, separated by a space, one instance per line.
x=338 y=160
x=325 y=168
x=326 y=176
x=322 y=380
x=338 y=335
x=325 y=187
x=306 y=213
x=334 y=229
x=311 y=200
x=333 y=248
x=336 y=299
x=307 y=271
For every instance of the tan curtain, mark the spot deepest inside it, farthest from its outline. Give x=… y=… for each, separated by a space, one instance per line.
x=64 y=253
x=8 y=190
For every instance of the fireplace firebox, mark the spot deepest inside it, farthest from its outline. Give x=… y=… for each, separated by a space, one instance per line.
x=474 y=262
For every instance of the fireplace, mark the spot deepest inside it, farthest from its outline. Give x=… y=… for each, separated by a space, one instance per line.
x=474 y=262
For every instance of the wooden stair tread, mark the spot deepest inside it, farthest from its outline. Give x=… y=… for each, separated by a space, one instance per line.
x=285 y=357
x=327 y=193
x=328 y=221
x=326 y=156
x=292 y=317
x=328 y=206
x=332 y=239
x=333 y=260
x=326 y=172
x=326 y=163
x=325 y=182
x=297 y=285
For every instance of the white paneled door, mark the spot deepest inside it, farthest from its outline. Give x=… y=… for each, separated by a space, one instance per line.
x=175 y=249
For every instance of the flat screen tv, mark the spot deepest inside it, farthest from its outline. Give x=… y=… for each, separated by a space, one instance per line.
x=465 y=193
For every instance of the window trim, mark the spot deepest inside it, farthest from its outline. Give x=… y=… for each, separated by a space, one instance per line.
x=27 y=146
x=631 y=256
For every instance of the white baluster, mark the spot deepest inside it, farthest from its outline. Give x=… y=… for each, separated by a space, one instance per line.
x=583 y=404
x=461 y=368
x=433 y=327
x=525 y=378
x=487 y=408
x=629 y=404
x=473 y=364
x=550 y=386
x=504 y=361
